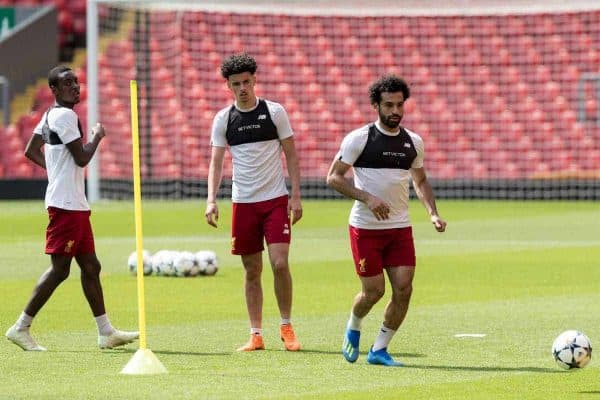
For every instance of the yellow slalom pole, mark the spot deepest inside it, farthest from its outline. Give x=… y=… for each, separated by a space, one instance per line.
x=137 y=201
x=143 y=361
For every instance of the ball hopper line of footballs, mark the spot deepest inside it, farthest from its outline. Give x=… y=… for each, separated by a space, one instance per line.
x=176 y=263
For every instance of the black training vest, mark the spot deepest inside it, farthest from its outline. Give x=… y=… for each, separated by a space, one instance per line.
x=250 y=127
x=383 y=151
x=51 y=137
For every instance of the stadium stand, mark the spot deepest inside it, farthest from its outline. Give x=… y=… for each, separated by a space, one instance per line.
x=509 y=96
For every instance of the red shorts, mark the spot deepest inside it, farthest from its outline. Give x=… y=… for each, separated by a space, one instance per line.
x=254 y=222
x=69 y=232
x=376 y=249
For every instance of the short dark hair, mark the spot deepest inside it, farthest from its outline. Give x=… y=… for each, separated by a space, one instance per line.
x=390 y=84
x=238 y=63
x=53 y=75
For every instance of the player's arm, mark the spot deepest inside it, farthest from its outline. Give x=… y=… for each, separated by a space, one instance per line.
x=337 y=180
x=425 y=193
x=215 y=173
x=83 y=153
x=33 y=150
x=293 y=167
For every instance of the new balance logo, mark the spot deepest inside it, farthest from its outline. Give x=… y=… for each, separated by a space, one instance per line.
x=262 y=116
x=407 y=145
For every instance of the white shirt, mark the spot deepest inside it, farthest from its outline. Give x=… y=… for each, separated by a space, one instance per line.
x=66 y=187
x=390 y=185
x=257 y=170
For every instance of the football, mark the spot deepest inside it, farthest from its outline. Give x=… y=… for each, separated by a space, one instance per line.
x=207 y=262
x=132 y=262
x=572 y=349
x=162 y=263
x=184 y=263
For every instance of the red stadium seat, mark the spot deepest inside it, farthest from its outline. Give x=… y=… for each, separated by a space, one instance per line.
x=486 y=84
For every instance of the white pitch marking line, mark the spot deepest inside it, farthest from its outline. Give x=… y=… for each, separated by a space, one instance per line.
x=473 y=335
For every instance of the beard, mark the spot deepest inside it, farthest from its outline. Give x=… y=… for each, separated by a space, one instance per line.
x=392 y=121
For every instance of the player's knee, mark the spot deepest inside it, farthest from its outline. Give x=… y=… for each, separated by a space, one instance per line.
x=402 y=292
x=60 y=274
x=280 y=266
x=253 y=274
x=91 y=269
x=373 y=295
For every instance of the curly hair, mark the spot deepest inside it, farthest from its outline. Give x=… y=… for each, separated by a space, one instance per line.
x=53 y=75
x=390 y=84
x=238 y=63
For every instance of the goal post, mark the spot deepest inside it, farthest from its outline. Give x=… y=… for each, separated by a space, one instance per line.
x=500 y=92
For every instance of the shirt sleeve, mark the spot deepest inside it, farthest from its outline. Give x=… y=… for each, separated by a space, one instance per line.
x=63 y=121
x=281 y=120
x=38 y=128
x=219 y=129
x=352 y=146
x=420 y=148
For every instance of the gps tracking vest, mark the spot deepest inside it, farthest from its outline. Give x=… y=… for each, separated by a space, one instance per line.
x=384 y=151
x=250 y=127
x=51 y=137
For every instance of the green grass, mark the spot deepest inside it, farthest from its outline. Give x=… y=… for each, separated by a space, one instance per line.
x=520 y=272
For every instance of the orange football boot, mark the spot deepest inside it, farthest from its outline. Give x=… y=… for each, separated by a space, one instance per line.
x=255 y=343
x=289 y=338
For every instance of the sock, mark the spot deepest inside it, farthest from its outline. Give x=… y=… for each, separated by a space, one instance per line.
x=285 y=321
x=104 y=326
x=383 y=339
x=256 y=331
x=24 y=322
x=354 y=322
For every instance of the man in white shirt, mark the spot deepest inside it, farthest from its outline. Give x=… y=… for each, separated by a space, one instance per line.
x=256 y=131
x=384 y=156
x=69 y=232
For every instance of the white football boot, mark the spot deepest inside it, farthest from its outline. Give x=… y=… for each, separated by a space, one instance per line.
x=23 y=339
x=116 y=339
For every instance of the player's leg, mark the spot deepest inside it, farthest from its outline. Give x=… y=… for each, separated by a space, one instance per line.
x=400 y=251
x=372 y=290
x=48 y=282
x=108 y=336
x=401 y=279
x=90 y=282
x=366 y=252
x=395 y=311
x=247 y=241
x=282 y=279
x=278 y=236
x=254 y=299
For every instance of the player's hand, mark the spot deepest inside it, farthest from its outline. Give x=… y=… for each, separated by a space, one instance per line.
x=212 y=214
x=295 y=210
x=98 y=130
x=378 y=207
x=438 y=223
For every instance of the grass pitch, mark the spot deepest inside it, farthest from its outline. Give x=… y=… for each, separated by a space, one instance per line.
x=518 y=272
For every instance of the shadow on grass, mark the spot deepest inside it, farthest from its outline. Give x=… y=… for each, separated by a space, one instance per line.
x=590 y=392
x=364 y=353
x=483 y=369
x=191 y=353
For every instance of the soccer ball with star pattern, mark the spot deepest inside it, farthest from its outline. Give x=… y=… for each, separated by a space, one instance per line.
x=572 y=349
